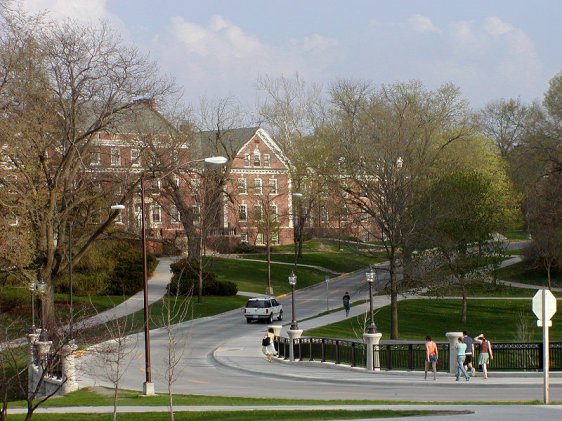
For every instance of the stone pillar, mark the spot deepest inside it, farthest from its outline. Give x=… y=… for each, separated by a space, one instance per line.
x=293 y=334
x=69 y=367
x=148 y=389
x=31 y=369
x=276 y=329
x=373 y=358
x=453 y=338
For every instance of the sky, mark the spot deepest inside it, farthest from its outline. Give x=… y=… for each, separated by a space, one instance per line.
x=491 y=49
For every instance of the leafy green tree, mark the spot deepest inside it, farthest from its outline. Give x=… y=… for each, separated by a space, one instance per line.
x=461 y=212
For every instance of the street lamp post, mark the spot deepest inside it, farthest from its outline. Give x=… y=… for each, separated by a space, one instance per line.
x=148 y=386
x=71 y=307
x=293 y=282
x=371 y=276
x=296 y=237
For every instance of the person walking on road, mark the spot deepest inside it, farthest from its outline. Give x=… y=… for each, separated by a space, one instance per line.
x=346 y=299
x=469 y=353
x=460 y=346
x=431 y=356
x=267 y=344
x=485 y=355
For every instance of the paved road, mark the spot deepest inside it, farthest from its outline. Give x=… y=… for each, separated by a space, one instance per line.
x=222 y=357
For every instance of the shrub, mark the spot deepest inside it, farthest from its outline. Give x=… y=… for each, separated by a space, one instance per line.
x=85 y=283
x=11 y=298
x=185 y=281
x=127 y=277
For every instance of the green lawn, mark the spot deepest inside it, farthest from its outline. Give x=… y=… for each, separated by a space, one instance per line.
x=484 y=290
x=252 y=276
x=525 y=273
x=498 y=319
x=287 y=415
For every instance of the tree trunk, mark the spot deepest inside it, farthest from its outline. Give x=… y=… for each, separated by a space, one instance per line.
x=269 y=288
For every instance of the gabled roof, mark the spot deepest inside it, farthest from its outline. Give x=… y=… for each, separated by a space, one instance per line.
x=227 y=142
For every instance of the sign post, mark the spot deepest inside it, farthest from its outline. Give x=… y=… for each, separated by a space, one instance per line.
x=544 y=307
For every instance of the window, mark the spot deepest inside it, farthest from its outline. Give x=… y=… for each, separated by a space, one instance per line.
x=258 y=213
x=115 y=156
x=244 y=237
x=257 y=186
x=273 y=210
x=196 y=212
x=156 y=213
x=96 y=157
x=119 y=218
x=275 y=238
x=257 y=158
x=272 y=186
x=195 y=185
x=135 y=157
x=247 y=160
x=15 y=221
x=242 y=212
x=174 y=214
x=323 y=214
x=259 y=238
x=266 y=160
x=241 y=186
x=345 y=214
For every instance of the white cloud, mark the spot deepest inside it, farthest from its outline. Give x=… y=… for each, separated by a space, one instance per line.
x=81 y=10
x=422 y=23
x=496 y=27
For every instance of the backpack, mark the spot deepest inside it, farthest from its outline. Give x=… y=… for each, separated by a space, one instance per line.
x=265 y=341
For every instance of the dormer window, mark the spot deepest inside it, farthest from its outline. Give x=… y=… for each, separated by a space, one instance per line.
x=266 y=160
x=257 y=158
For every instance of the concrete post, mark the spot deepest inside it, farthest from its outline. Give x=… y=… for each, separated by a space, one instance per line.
x=373 y=357
x=293 y=334
x=453 y=338
x=31 y=371
x=276 y=329
x=69 y=367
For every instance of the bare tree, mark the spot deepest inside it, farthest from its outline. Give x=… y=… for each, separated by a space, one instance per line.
x=112 y=357
x=71 y=83
x=389 y=139
x=175 y=309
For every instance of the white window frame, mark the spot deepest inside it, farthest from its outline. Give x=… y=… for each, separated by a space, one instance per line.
x=242 y=186
x=258 y=186
x=266 y=160
x=258 y=212
x=259 y=239
x=256 y=161
x=274 y=211
x=243 y=211
x=244 y=237
x=156 y=210
x=96 y=156
x=115 y=156
x=135 y=157
x=174 y=214
x=275 y=237
x=272 y=186
x=247 y=160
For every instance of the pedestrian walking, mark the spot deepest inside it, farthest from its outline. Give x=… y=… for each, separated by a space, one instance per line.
x=346 y=299
x=485 y=355
x=469 y=353
x=267 y=344
x=460 y=346
x=431 y=357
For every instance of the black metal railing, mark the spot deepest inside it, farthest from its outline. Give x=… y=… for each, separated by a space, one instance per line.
x=507 y=356
x=408 y=356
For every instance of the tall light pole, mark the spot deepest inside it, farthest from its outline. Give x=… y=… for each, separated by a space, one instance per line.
x=371 y=277
x=148 y=386
x=293 y=282
x=297 y=227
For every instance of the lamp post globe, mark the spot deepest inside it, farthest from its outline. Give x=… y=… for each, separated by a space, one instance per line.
x=293 y=282
x=371 y=277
